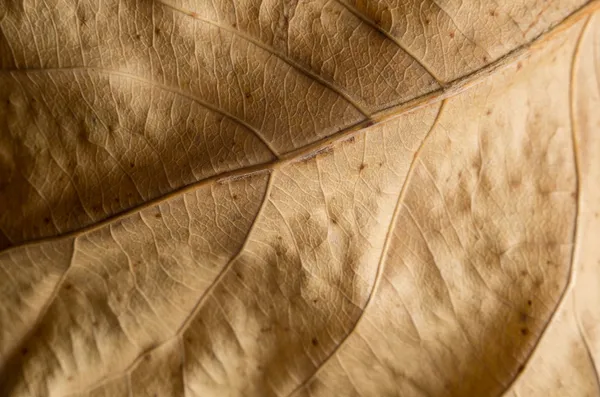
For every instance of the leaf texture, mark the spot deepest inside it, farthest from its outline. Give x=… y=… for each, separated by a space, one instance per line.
x=311 y=198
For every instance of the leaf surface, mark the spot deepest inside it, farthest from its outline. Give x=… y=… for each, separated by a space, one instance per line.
x=299 y=198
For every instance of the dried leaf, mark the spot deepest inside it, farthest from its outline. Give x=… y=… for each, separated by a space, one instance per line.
x=299 y=198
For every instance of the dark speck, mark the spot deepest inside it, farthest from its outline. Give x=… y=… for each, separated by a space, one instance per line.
x=524 y=331
x=24 y=351
x=315 y=342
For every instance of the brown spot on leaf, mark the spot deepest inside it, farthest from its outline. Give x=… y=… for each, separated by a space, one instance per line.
x=24 y=351
x=158 y=215
x=524 y=331
x=362 y=166
x=315 y=342
x=451 y=34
